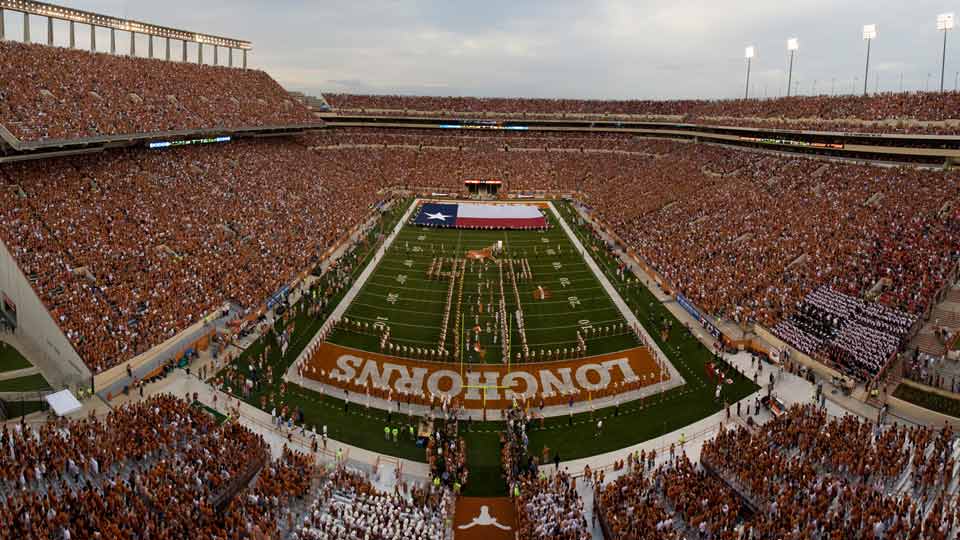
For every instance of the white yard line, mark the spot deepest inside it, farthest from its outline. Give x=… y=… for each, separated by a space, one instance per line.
x=615 y=296
x=352 y=293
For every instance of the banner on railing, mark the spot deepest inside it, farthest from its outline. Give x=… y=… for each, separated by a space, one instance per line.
x=695 y=313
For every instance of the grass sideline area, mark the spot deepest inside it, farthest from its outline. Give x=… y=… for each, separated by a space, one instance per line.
x=18 y=409
x=928 y=400
x=400 y=295
x=636 y=422
x=11 y=359
x=30 y=383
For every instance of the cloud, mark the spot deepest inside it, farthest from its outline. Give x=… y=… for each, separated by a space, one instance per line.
x=599 y=49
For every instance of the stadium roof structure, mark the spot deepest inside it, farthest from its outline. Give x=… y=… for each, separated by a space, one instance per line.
x=43 y=9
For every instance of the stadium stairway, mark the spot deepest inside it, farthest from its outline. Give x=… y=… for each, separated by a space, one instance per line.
x=928 y=342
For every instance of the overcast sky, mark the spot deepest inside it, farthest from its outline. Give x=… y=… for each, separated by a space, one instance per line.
x=584 y=49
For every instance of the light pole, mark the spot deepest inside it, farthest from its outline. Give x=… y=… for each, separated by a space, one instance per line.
x=813 y=91
x=944 y=23
x=869 y=34
x=792 y=45
x=748 y=53
x=926 y=87
x=833 y=85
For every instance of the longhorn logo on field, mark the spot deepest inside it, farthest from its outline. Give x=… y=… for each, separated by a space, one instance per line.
x=484 y=520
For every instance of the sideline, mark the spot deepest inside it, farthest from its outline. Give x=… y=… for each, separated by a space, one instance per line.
x=625 y=311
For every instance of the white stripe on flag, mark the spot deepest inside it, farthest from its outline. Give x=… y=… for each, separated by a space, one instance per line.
x=497 y=211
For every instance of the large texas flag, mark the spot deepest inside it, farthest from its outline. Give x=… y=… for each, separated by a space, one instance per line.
x=474 y=216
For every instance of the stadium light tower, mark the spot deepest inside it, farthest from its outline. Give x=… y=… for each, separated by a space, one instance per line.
x=869 y=34
x=748 y=53
x=944 y=24
x=793 y=45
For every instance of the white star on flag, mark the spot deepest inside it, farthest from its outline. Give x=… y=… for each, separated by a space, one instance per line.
x=438 y=215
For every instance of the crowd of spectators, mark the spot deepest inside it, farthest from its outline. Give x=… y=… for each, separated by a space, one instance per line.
x=744 y=235
x=447 y=457
x=349 y=507
x=858 y=336
x=162 y=468
x=882 y=112
x=676 y=500
x=53 y=93
x=128 y=248
x=547 y=508
x=159 y=468
x=931 y=370
x=810 y=476
x=123 y=265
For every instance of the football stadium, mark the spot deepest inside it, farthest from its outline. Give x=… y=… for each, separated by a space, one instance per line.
x=246 y=297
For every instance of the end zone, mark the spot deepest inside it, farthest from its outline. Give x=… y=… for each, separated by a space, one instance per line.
x=624 y=374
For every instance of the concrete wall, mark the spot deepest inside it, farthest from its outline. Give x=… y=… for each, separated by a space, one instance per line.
x=818 y=368
x=46 y=345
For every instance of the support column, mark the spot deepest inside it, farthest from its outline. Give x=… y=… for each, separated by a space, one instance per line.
x=133 y=43
x=229 y=56
x=184 y=50
x=73 y=35
x=149 y=45
x=113 y=41
x=167 y=40
x=199 y=52
x=2 y=33
x=26 y=28
x=93 y=38
x=244 y=59
x=215 y=54
x=50 y=31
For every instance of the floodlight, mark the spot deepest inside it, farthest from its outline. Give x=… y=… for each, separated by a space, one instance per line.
x=869 y=31
x=793 y=44
x=750 y=52
x=945 y=21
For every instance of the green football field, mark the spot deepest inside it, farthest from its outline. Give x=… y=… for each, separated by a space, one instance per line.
x=637 y=421
x=558 y=296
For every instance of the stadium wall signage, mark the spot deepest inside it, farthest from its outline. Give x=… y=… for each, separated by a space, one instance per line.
x=556 y=381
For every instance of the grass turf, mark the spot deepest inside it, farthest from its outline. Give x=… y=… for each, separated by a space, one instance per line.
x=11 y=359
x=16 y=409
x=637 y=421
x=928 y=400
x=30 y=383
x=399 y=294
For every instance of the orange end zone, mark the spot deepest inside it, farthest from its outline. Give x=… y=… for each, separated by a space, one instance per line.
x=582 y=379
